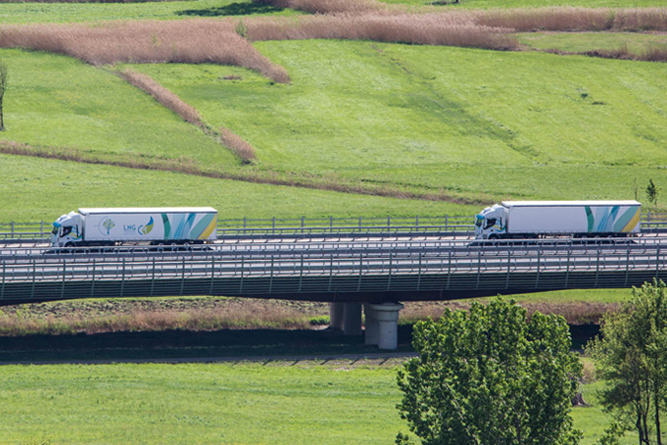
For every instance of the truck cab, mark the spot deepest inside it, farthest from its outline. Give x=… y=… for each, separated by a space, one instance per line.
x=67 y=230
x=491 y=223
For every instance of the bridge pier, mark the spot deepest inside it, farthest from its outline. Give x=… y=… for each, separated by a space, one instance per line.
x=345 y=317
x=352 y=322
x=382 y=324
x=336 y=316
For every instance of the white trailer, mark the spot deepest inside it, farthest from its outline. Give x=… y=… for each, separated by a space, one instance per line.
x=112 y=226
x=535 y=219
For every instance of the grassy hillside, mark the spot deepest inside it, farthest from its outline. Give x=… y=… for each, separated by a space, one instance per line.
x=580 y=42
x=478 y=123
x=35 y=189
x=59 y=101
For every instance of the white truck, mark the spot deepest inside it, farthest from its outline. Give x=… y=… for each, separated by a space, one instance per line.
x=115 y=226
x=537 y=219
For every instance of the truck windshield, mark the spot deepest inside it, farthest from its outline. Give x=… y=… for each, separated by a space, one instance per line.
x=478 y=222
x=55 y=230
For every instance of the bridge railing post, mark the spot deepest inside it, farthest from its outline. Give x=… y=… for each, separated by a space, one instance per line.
x=419 y=271
x=567 y=270
x=597 y=268
x=34 y=277
x=479 y=268
x=62 y=286
x=122 y=280
x=627 y=266
x=390 y=266
x=92 y=285
x=4 y=274
x=657 y=264
x=242 y=274
x=271 y=278
x=509 y=265
x=361 y=268
x=449 y=268
x=153 y=278
x=537 y=277
x=210 y=291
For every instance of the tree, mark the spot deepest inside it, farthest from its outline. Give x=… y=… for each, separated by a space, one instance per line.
x=631 y=357
x=490 y=376
x=3 y=86
x=652 y=193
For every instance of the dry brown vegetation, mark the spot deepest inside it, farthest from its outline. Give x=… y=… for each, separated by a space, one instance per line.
x=162 y=95
x=214 y=313
x=182 y=41
x=236 y=144
x=242 y=149
x=424 y=29
x=575 y=313
x=575 y=19
x=201 y=314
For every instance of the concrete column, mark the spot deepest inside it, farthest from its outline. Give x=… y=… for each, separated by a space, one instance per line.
x=372 y=334
x=336 y=316
x=352 y=319
x=386 y=315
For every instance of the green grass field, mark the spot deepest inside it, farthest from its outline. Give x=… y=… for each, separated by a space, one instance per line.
x=580 y=42
x=59 y=101
x=290 y=403
x=468 y=123
x=471 y=122
x=39 y=189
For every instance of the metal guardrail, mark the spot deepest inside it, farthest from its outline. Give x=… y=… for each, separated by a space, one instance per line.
x=296 y=227
x=247 y=227
x=356 y=271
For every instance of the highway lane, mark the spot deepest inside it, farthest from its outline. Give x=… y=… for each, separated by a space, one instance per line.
x=380 y=257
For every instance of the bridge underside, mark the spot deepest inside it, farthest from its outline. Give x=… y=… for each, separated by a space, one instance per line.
x=331 y=289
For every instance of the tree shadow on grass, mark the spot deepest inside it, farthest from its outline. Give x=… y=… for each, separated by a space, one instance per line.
x=232 y=9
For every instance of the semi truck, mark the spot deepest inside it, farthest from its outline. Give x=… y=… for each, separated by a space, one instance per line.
x=543 y=219
x=117 y=226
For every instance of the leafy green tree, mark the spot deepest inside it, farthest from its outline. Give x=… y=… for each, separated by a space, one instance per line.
x=631 y=356
x=489 y=376
x=652 y=193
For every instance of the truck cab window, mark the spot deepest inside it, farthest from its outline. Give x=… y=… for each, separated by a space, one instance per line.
x=490 y=223
x=66 y=231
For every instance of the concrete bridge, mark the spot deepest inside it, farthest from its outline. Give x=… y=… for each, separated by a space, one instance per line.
x=376 y=274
